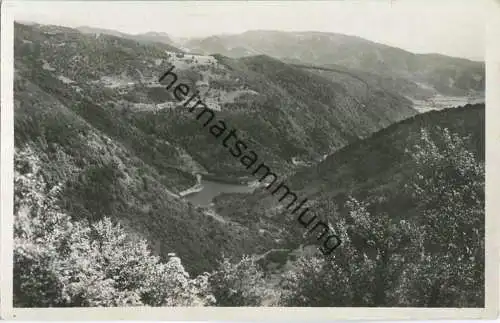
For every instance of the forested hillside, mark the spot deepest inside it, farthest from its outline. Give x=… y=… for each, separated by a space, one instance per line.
x=109 y=168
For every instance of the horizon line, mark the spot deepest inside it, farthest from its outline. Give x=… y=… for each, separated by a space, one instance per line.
x=175 y=39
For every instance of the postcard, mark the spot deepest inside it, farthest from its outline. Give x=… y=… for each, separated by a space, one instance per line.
x=257 y=160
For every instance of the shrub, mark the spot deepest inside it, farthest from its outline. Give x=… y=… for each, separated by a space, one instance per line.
x=239 y=284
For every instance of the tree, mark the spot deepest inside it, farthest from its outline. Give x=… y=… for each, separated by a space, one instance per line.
x=238 y=284
x=363 y=271
x=449 y=188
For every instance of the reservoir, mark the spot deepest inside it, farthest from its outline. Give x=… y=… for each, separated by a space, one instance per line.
x=211 y=189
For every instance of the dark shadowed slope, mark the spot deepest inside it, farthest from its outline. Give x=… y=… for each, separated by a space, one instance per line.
x=375 y=169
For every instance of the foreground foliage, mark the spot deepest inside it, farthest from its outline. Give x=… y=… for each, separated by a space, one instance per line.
x=433 y=260
x=238 y=284
x=61 y=262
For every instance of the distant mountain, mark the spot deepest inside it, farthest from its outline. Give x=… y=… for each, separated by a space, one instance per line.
x=155 y=37
x=94 y=30
x=446 y=75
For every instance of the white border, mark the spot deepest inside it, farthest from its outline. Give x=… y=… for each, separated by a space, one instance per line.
x=7 y=159
x=257 y=313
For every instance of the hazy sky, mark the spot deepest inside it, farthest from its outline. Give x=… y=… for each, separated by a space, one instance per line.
x=450 y=27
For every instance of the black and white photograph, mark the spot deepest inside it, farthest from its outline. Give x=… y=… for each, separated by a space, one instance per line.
x=247 y=154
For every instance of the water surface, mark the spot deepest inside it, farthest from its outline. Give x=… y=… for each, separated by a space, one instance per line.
x=211 y=189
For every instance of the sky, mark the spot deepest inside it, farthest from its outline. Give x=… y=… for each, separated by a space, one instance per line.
x=449 y=27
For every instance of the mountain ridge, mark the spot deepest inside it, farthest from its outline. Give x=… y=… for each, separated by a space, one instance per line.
x=449 y=75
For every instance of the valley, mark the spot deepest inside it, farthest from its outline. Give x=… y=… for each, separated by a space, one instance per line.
x=357 y=127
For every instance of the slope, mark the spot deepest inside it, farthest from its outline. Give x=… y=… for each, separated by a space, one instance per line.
x=374 y=169
x=106 y=165
x=286 y=112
